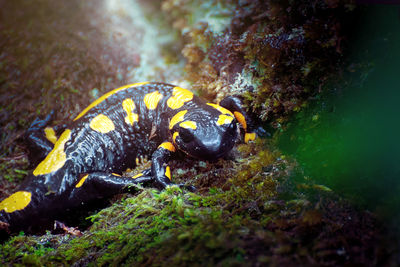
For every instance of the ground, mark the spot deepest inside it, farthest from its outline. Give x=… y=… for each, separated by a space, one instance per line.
x=248 y=208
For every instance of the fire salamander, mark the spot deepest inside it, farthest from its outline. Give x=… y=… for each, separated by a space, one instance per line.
x=83 y=161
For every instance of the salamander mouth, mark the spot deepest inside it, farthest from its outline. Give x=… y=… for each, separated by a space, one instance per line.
x=206 y=154
x=208 y=157
x=209 y=146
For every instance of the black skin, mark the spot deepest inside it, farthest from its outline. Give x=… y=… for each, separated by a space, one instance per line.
x=101 y=157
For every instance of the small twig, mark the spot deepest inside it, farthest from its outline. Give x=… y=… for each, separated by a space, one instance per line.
x=17 y=157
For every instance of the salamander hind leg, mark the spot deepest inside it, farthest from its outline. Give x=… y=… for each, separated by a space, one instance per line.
x=40 y=138
x=22 y=210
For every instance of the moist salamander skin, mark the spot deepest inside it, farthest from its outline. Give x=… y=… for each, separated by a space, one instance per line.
x=83 y=160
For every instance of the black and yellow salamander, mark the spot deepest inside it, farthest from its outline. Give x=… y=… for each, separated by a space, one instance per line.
x=84 y=160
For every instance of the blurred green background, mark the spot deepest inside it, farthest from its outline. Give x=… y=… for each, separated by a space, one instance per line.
x=349 y=138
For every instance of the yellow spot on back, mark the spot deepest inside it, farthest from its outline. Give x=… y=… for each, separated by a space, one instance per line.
x=50 y=134
x=17 y=201
x=178 y=117
x=56 y=158
x=151 y=99
x=168 y=146
x=129 y=106
x=105 y=96
x=179 y=97
x=174 y=136
x=116 y=174
x=101 y=123
x=81 y=181
x=224 y=119
x=137 y=175
x=240 y=118
x=188 y=124
x=168 y=172
x=220 y=109
x=249 y=137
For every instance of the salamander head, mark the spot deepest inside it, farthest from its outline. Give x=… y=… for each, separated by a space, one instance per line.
x=206 y=133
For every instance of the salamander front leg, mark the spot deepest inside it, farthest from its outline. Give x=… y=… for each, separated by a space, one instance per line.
x=98 y=185
x=159 y=167
x=234 y=104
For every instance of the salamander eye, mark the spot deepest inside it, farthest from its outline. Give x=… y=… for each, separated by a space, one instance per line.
x=232 y=126
x=186 y=135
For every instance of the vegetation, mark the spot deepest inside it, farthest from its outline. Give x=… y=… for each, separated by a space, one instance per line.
x=248 y=208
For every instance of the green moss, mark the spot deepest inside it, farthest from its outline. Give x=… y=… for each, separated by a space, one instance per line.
x=25 y=250
x=275 y=53
x=167 y=226
x=247 y=210
x=243 y=220
x=13 y=169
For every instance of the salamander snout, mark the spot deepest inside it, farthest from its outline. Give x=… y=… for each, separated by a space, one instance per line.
x=207 y=143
